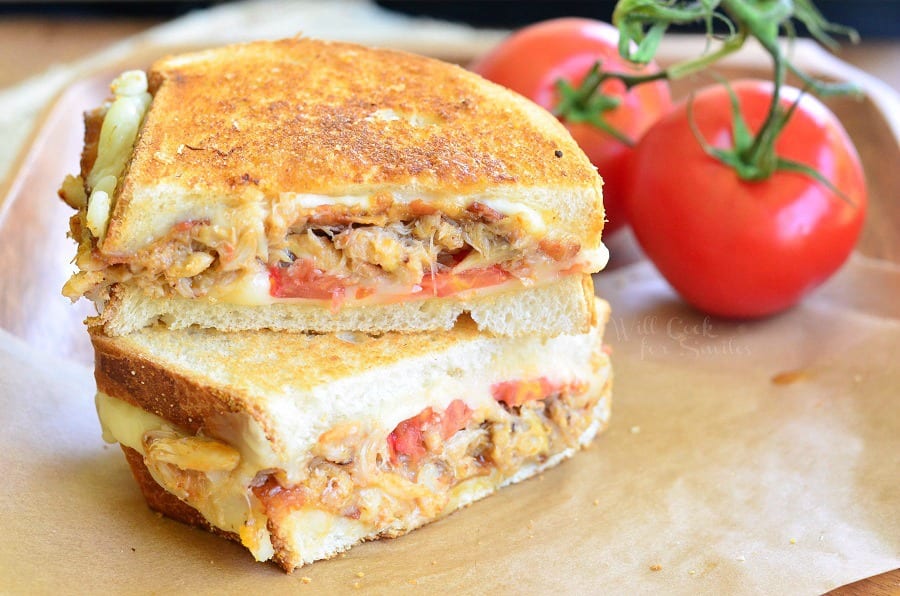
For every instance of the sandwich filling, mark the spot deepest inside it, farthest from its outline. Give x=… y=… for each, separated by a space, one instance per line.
x=381 y=248
x=366 y=480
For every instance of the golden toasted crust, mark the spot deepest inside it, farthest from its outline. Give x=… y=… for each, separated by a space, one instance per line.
x=128 y=374
x=276 y=356
x=145 y=369
x=248 y=122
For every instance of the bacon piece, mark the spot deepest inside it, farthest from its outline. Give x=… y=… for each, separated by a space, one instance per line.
x=485 y=213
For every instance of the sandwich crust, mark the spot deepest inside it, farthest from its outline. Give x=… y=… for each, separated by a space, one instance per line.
x=246 y=123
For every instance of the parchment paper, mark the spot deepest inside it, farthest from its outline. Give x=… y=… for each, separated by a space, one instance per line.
x=712 y=478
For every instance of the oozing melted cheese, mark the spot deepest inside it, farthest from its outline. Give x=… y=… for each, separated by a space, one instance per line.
x=117 y=136
x=228 y=504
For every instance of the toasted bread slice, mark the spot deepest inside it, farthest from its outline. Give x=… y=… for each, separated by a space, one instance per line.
x=300 y=446
x=564 y=306
x=303 y=170
x=249 y=123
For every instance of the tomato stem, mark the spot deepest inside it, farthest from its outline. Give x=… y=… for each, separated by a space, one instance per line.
x=641 y=25
x=762 y=151
x=587 y=104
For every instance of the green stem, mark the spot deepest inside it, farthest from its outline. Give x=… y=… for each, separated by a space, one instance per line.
x=683 y=69
x=587 y=104
x=642 y=23
x=764 y=142
x=824 y=88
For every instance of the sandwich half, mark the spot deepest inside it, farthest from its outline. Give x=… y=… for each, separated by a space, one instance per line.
x=315 y=186
x=299 y=446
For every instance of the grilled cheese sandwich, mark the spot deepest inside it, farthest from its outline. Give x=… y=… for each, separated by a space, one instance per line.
x=345 y=175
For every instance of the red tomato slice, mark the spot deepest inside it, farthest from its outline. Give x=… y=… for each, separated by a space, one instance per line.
x=516 y=393
x=303 y=280
x=447 y=283
x=455 y=417
x=407 y=441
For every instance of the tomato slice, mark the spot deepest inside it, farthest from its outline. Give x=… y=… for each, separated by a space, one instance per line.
x=516 y=393
x=407 y=441
x=447 y=283
x=302 y=279
x=455 y=417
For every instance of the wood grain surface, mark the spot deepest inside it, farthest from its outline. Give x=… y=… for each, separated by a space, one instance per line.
x=885 y=584
x=34 y=250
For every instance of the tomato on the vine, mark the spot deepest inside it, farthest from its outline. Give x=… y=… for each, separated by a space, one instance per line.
x=532 y=60
x=738 y=248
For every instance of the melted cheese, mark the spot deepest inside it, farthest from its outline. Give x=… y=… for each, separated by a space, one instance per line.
x=251 y=288
x=228 y=503
x=531 y=219
x=117 y=136
x=124 y=423
x=309 y=201
x=593 y=260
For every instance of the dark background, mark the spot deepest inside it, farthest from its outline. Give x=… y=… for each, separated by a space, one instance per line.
x=873 y=19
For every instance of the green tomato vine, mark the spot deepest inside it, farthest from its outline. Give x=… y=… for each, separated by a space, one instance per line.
x=642 y=25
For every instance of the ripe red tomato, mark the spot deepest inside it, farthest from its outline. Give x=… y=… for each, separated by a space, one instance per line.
x=534 y=58
x=745 y=249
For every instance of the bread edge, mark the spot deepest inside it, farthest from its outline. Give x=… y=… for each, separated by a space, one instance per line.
x=560 y=307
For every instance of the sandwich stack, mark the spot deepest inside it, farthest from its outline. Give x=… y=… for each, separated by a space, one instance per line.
x=342 y=292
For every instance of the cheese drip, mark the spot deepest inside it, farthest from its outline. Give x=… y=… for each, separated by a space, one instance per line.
x=117 y=136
